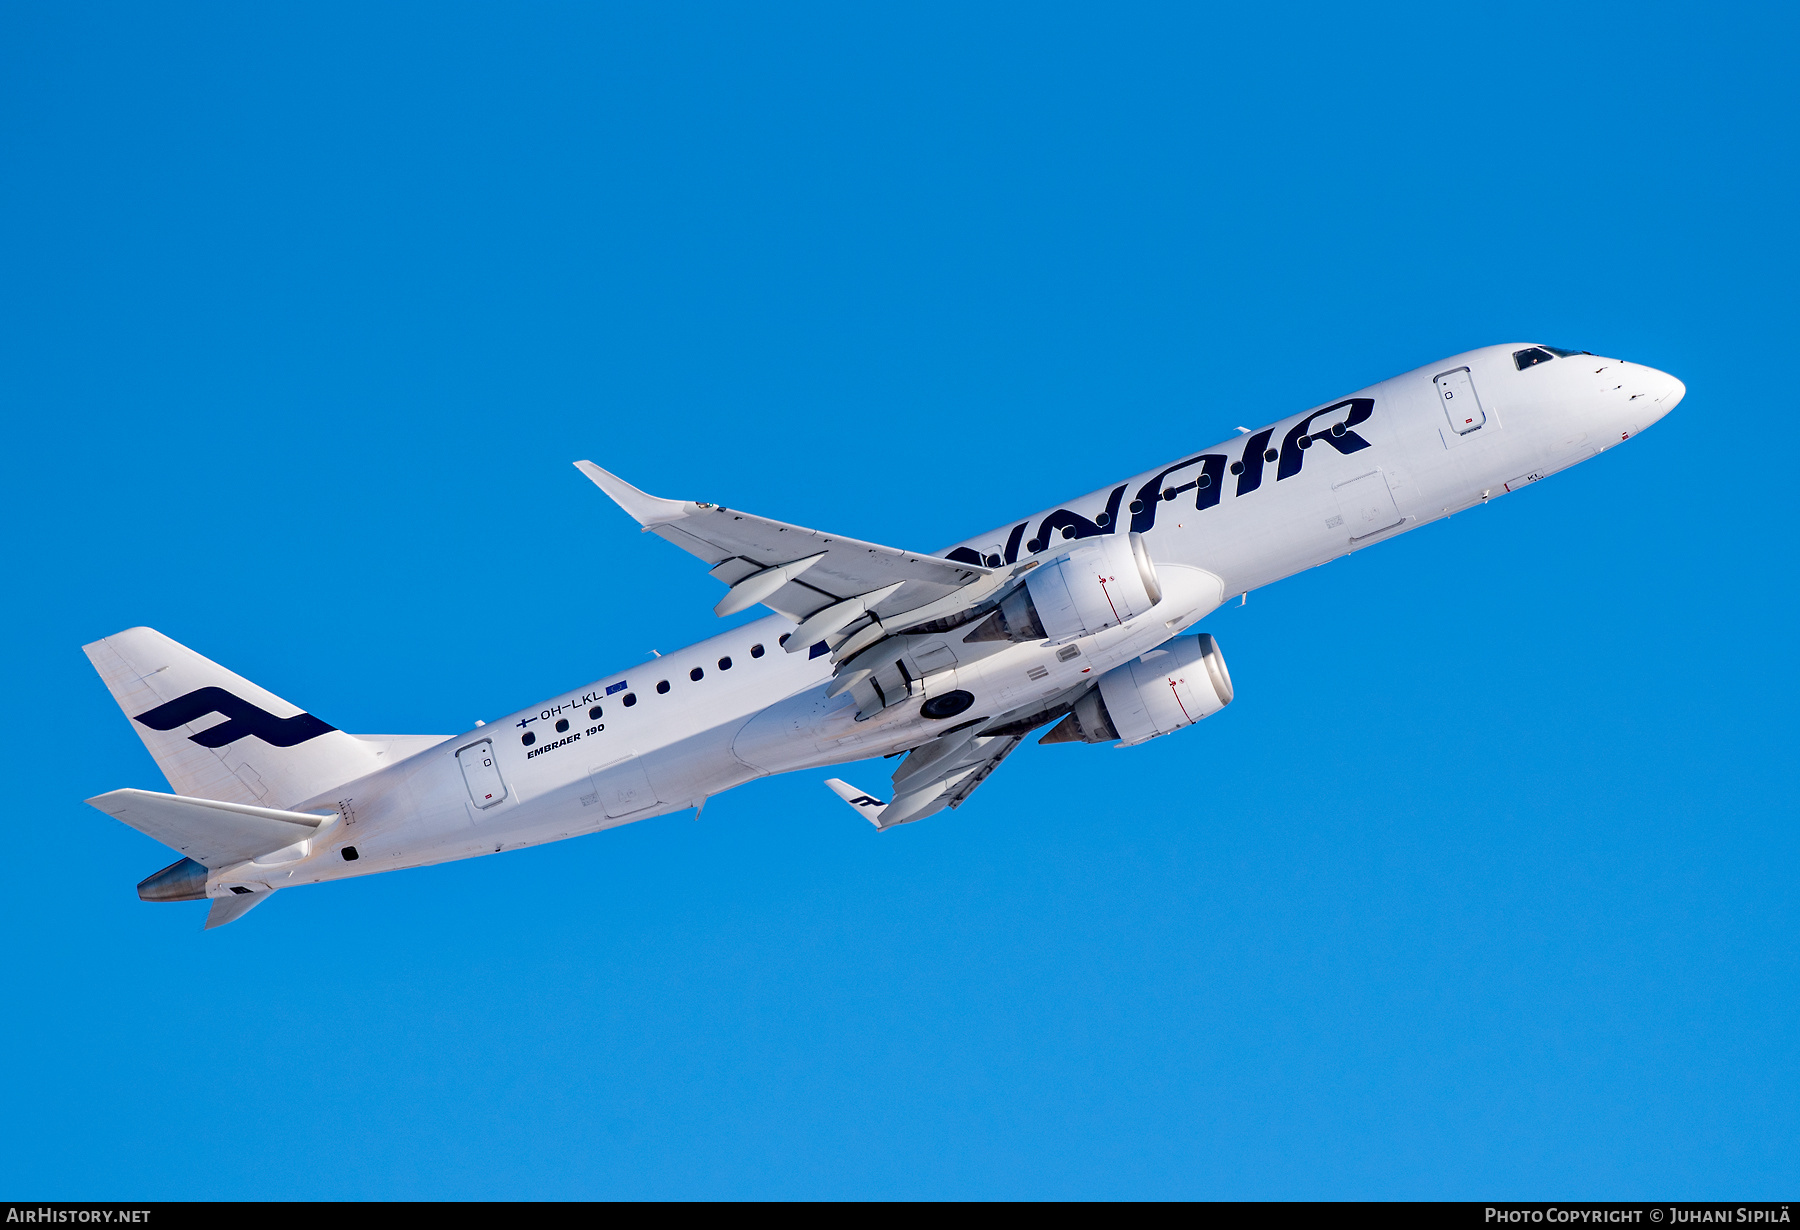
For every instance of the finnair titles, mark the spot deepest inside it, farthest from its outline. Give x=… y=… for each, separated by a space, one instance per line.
x=1079 y=619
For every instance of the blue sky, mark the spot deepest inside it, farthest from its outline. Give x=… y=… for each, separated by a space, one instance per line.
x=1484 y=885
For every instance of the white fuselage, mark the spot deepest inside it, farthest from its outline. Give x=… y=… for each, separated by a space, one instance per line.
x=597 y=759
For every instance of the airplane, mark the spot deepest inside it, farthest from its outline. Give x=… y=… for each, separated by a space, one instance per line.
x=1076 y=618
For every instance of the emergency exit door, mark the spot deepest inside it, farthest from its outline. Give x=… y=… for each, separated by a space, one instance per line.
x=1456 y=391
x=481 y=774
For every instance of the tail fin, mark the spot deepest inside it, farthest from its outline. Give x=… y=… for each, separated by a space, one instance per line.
x=216 y=735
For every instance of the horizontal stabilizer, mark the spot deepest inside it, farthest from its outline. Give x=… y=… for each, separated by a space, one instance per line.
x=232 y=908
x=211 y=833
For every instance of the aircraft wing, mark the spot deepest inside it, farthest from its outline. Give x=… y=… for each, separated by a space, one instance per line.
x=840 y=590
x=940 y=774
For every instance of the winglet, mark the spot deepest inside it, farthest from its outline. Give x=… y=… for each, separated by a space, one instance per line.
x=645 y=509
x=867 y=806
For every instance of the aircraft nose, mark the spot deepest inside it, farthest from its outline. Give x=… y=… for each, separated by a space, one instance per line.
x=1666 y=392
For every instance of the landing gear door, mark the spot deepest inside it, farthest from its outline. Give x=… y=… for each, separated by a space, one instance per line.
x=1456 y=393
x=481 y=774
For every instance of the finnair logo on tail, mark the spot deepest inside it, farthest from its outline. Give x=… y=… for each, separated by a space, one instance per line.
x=245 y=719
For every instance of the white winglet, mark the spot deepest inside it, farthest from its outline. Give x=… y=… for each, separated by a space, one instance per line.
x=867 y=806
x=645 y=509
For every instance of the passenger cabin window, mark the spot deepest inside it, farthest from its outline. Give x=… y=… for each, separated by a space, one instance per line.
x=756 y=651
x=662 y=688
x=1531 y=357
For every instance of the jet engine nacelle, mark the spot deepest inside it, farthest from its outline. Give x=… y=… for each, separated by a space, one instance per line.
x=1094 y=587
x=1160 y=692
x=1098 y=585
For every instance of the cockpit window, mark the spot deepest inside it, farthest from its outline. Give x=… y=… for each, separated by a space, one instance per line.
x=1560 y=353
x=1531 y=355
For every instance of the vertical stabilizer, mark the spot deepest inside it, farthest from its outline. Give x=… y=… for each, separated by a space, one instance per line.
x=216 y=735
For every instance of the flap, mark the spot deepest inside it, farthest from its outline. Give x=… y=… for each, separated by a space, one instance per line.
x=211 y=833
x=738 y=546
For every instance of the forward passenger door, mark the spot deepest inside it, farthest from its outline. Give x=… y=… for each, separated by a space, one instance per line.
x=1456 y=393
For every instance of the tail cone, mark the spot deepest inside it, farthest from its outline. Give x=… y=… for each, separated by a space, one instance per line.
x=183 y=881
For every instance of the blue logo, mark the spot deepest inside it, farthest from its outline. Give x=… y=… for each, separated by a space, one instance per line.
x=246 y=719
x=1207 y=477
